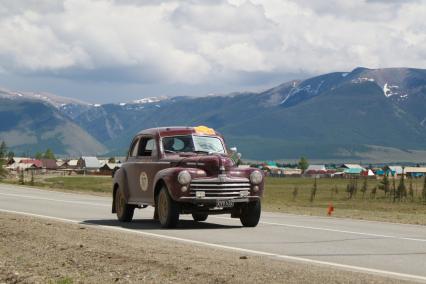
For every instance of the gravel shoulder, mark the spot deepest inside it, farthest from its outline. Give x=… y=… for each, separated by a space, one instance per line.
x=36 y=250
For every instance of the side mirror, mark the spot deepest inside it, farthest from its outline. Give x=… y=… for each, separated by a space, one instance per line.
x=234 y=155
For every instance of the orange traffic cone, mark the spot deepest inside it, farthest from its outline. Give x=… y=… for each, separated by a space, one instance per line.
x=330 y=209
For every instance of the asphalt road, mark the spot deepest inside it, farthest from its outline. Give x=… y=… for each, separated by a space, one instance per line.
x=394 y=250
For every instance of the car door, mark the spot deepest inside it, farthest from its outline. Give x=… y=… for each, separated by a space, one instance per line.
x=130 y=169
x=142 y=170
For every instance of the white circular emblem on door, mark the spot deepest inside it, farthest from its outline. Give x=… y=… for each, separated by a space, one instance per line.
x=143 y=181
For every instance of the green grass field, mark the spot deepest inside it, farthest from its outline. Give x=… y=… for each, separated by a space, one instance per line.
x=81 y=183
x=87 y=184
x=293 y=195
x=279 y=196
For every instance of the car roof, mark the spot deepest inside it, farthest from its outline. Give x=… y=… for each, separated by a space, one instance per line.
x=178 y=130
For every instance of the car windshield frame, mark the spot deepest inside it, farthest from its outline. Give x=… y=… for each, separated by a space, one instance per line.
x=193 y=150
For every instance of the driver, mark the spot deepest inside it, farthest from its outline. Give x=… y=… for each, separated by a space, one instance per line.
x=168 y=144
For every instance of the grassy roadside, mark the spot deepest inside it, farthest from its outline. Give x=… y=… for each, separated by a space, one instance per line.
x=100 y=185
x=292 y=195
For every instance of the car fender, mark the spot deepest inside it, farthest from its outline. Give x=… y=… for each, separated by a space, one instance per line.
x=120 y=181
x=168 y=176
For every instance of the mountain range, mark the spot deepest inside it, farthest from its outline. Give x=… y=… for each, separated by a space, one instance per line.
x=362 y=115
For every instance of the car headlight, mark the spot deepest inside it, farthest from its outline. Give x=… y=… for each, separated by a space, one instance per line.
x=184 y=177
x=256 y=177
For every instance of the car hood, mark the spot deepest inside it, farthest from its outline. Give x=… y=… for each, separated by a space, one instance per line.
x=212 y=164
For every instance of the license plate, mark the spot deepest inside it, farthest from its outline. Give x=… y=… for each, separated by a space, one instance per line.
x=225 y=203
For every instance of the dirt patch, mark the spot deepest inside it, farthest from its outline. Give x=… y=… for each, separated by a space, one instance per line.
x=43 y=251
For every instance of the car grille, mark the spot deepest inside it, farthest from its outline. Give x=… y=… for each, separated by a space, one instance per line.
x=222 y=187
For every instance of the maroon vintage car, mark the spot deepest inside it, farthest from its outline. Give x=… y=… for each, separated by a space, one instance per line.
x=185 y=170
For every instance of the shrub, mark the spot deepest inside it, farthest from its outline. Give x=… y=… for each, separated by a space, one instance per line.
x=352 y=187
x=364 y=187
x=385 y=184
x=402 y=190
x=411 y=190
x=314 y=190
x=295 y=192
x=373 y=192
x=424 y=191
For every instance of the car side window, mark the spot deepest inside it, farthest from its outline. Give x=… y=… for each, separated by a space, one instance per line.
x=147 y=147
x=134 y=149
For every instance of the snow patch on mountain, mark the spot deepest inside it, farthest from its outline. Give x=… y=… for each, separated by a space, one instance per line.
x=393 y=90
x=361 y=80
x=148 y=100
x=308 y=89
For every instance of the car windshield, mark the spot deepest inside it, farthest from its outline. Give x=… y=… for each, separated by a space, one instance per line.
x=193 y=143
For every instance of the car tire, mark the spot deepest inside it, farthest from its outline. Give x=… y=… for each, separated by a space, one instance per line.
x=199 y=217
x=250 y=214
x=167 y=208
x=124 y=211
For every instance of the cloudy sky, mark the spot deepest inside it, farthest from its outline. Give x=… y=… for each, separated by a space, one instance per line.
x=114 y=51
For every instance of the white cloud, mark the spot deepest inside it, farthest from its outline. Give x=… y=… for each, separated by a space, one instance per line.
x=194 y=42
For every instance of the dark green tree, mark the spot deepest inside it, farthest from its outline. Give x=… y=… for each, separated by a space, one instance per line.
x=38 y=155
x=111 y=160
x=3 y=149
x=10 y=155
x=303 y=164
x=3 y=152
x=49 y=154
x=3 y=171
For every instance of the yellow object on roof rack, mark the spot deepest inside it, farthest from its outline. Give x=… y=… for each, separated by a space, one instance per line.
x=204 y=130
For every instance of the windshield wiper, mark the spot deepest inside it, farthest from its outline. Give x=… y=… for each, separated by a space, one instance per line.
x=201 y=152
x=170 y=151
x=206 y=152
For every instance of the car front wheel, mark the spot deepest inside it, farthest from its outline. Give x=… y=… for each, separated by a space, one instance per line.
x=124 y=210
x=250 y=214
x=167 y=208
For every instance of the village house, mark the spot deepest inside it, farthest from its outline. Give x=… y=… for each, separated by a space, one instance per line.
x=315 y=170
x=393 y=170
x=291 y=172
x=109 y=168
x=69 y=165
x=415 y=171
x=49 y=164
x=15 y=161
x=25 y=165
x=89 y=164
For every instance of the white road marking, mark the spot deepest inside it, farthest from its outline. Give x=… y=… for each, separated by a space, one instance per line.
x=333 y=230
x=57 y=200
x=255 y=252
